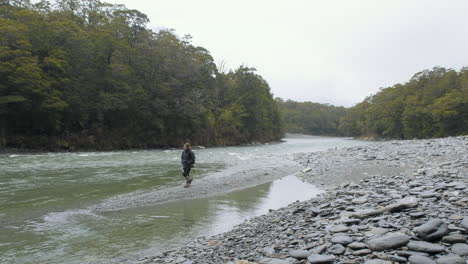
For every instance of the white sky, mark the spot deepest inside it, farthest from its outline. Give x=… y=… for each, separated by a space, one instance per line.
x=328 y=51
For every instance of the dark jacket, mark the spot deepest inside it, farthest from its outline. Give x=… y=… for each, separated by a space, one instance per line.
x=188 y=158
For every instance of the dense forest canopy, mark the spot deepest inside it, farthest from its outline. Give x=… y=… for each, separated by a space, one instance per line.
x=434 y=103
x=80 y=74
x=311 y=118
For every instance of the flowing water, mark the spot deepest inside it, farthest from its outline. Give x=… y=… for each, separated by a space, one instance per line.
x=47 y=200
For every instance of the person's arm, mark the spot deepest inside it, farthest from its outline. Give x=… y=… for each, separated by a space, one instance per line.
x=182 y=158
x=192 y=160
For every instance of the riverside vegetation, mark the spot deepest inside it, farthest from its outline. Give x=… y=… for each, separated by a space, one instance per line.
x=83 y=74
x=418 y=215
x=434 y=103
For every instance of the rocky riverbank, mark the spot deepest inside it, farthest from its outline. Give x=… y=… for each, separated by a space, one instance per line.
x=406 y=202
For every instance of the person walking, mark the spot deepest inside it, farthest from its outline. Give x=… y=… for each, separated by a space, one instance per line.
x=187 y=160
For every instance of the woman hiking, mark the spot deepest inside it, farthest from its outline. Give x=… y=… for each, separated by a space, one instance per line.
x=187 y=160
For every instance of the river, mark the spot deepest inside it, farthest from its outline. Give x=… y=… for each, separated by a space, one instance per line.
x=51 y=204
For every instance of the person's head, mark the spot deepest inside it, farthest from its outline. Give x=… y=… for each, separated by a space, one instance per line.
x=186 y=146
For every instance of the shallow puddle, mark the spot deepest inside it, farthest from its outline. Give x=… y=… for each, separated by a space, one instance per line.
x=173 y=224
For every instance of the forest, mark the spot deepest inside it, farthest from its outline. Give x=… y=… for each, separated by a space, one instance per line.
x=434 y=103
x=83 y=74
x=311 y=118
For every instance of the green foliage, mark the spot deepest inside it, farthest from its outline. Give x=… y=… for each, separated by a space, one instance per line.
x=85 y=74
x=434 y=103
x=311 y=118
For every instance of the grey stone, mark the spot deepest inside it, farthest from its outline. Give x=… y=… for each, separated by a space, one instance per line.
x=425 y=247
x=362 y=252
x=357 y=245
x=321 y=259
x=336 y=249
x=351 y=221
x=452 y=259
x=268 y=251
x=275 y=261
x=416 y=259
x=417 y=214
x=319 y=249
x=428 y=194
x=339 y=229
x=396 y=258
x=432 y=230
x=342 y=239
x=376 y=231
x=180 y=260
x=408 y=253
x=389 y=241
x=376 y=261
x=460 y=249
x=299 y=254
x=359 y=200
x=464 y=222
x=454 y=238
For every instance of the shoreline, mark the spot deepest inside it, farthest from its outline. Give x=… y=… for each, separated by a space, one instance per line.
x=10 y=150
x=13 y=150
x=226 y=180
x=386 y=172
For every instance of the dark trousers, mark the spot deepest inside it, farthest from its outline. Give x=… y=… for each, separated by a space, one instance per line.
x=186 y=173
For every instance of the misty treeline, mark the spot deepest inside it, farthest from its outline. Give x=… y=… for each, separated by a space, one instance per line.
x=434 y=103
x=82 y=74
x=311 y=118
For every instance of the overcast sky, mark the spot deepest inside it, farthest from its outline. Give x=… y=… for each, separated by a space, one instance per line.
x=326 y=51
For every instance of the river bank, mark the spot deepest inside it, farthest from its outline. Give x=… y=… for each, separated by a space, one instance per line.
x=386 y=202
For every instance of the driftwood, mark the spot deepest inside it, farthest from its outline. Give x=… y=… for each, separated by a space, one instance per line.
x=407 y=202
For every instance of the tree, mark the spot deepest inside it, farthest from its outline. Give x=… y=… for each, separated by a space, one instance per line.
x=432 y=104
